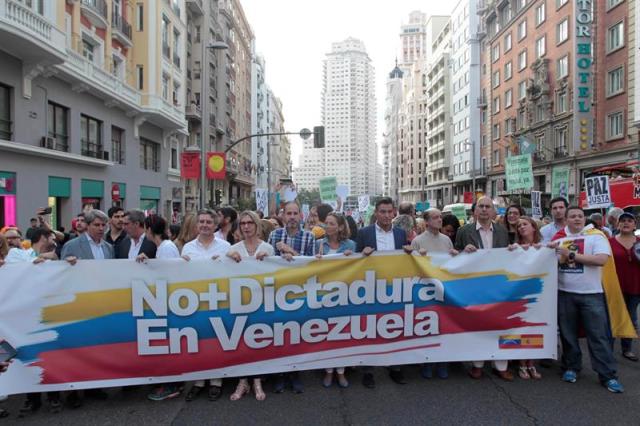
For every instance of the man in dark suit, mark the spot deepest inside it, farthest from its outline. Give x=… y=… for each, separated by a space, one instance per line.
x=484 y=233
x=381 y=236
x=135 y=243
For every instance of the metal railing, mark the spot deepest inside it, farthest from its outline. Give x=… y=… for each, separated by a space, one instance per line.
x=118 y=22
x=99 y=6
x=91 y=149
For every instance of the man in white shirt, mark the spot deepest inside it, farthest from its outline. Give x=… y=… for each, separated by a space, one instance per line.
x=42 y=248
x=581 y=302
x=206 y=246
x=558 y=208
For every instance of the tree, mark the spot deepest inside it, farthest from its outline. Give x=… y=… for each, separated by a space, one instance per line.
x=309 y=197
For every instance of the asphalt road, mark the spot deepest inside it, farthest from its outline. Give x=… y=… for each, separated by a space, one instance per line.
x=457 y=400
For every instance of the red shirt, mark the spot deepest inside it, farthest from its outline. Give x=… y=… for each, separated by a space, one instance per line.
x=627 y=267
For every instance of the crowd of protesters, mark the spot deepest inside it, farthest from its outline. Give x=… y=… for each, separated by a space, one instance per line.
x=209 y=234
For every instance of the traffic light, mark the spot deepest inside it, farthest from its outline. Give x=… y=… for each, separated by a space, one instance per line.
x=218 y=197
x=318 y=137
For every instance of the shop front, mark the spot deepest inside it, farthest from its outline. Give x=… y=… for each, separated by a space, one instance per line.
x=8 y=193
x=59 y=196
x=149 y=199
x=92 y=193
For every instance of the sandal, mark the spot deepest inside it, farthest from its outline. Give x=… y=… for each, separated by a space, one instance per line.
x=328 y=380
x=257 y=389
x=194 y=392
x=342 y=381
x=241 y=390
x=523 y=373
x=534 y=373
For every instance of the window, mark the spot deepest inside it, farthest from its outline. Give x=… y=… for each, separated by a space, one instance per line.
x=87 y=50
x=562 y=31
x=508 y=71
x=496 y=79
x=541 y=47
x=174 y=158
x=495 y=131
x=149 y=155
x=615 y=37
x=117 y=145
x=507 y=43
x=540 y=14
x=561 y=102
x=522 y=60
x=613 y=3
x=540 y=113
x=615 y=81
x=165 y=87
x=522 y=30
x=615 y=125
x=496 y=104
x=5 y=112
x=522 y=90
x=561 y=140
x=91 y=137
x=140 y=17
x=560 y=3
x=562 y=67
x=508 y=98
x=176 y=48
x=496 y=157
x=58 y=126
x=495 y=53
x=140 y=77
x=165 y=37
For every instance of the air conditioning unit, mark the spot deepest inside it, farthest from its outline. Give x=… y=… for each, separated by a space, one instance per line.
x=47 y=142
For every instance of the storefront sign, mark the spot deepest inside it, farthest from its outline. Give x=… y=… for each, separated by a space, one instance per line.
x=583 y=77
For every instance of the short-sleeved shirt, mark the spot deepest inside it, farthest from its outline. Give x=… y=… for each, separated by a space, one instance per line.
x=196 y=250
x=548 y=231
x=303 y=242
x=627 y=267
x=430 y=242
x=576 y=277
x=242 y=249
x=167 y=250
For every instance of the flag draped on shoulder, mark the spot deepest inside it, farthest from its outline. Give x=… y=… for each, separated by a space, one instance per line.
x=620 y=322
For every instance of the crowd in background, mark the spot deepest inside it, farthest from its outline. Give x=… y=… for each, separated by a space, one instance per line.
x=209 y=234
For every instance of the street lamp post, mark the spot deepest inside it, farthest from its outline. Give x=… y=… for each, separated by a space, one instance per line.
x=473 y=168
x=204 y=103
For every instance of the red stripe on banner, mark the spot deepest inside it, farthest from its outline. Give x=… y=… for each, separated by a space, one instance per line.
x=121 y=360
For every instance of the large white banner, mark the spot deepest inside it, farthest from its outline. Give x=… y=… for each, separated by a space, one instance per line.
x=117 y=322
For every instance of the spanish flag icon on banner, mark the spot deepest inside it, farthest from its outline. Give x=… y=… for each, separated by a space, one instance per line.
x=216 y=165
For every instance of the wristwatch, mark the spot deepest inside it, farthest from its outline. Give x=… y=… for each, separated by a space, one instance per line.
x=572 y=257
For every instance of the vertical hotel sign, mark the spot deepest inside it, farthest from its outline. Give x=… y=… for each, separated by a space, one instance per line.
x=583 y=76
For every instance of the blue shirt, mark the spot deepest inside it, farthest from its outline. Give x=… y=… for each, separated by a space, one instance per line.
x=303 y=242
x=344 y=246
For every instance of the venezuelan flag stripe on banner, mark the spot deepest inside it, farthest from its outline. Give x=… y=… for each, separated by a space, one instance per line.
x=116 y=322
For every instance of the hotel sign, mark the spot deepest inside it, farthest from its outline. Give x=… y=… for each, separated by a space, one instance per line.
x=583 y=76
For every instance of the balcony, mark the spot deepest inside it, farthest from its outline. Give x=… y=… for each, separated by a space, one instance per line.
x=95 y=11
x=193 y=112
x=561 y=152
x=121 y=29
x=84 y=75
x=93 y=150
x=164 y=113
x=539 y=157
x=29 y=36
x=195 y=6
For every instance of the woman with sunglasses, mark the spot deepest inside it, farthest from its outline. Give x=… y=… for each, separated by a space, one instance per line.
x=250 y=246
x=336 y=240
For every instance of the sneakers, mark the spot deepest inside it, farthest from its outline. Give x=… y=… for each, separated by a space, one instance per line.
x=426 y=371
x=614 y=386
x=570 y=376
x=161 y=393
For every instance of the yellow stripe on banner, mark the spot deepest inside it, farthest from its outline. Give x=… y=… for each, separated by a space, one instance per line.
x=100 y=303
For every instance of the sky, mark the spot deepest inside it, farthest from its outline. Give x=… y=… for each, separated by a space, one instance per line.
x=295 y=35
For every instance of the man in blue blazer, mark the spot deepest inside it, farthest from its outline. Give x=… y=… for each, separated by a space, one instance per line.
x=90 y=244
x=381 y=236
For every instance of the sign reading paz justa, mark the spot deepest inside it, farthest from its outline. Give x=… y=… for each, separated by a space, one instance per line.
x=598 y=193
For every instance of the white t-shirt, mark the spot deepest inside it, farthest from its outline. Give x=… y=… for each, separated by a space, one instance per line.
x=242 y=249
x=195 y=250
x=579 y=278
x=17 y=255
x=167 y=250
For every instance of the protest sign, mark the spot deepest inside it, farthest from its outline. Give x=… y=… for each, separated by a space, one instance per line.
x=328 y=189
x=598 y=194
x=262 y=201
x=536 y=204
x=363 y=203
x=118 y=322
x=519 y=172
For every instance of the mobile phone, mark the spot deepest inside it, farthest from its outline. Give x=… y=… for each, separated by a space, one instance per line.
x=7 y=352
x=44 y=210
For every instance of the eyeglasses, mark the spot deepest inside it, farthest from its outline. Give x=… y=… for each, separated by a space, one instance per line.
x=247 y=223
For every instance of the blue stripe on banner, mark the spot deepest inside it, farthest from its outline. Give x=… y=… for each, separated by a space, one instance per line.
x=121 y=327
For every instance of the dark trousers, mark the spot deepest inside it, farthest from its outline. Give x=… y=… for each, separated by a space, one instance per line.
x=590 y=312
x=632 y=301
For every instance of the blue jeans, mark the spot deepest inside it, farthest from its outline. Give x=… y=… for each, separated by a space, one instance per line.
x=590 y=312
x=632 y=302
